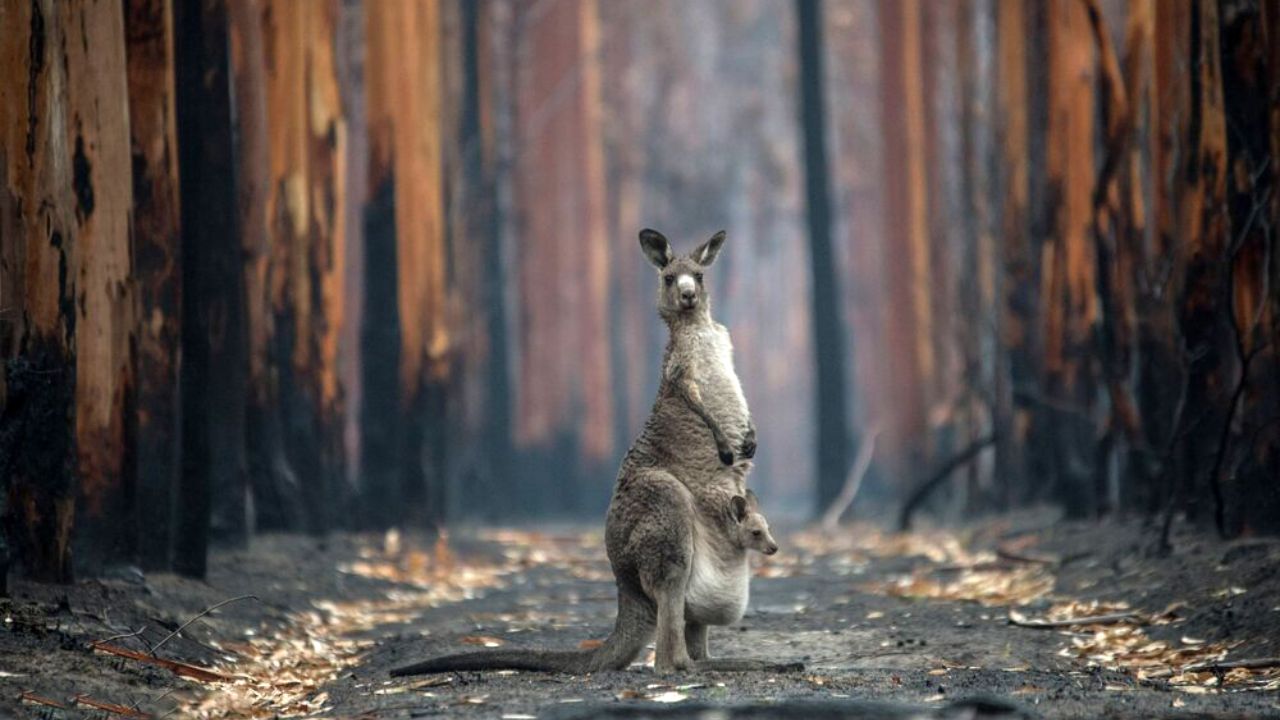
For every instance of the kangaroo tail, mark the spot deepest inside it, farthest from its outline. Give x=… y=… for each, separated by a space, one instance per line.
x=631 y=633
x=567 y=661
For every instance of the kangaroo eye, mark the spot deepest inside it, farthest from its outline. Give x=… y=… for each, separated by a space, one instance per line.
x=697 y=276
x=668 y=279
x=756 y=533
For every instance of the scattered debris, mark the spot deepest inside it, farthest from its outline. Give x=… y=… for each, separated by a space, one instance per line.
x=1017 y=618
x=179 y=668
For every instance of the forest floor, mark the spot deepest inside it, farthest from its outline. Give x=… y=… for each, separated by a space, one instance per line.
x=887 y=625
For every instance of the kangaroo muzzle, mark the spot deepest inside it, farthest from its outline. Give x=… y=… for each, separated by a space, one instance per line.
x=688 y=290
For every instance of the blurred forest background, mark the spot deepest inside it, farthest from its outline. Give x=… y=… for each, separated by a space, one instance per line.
x=323 y=264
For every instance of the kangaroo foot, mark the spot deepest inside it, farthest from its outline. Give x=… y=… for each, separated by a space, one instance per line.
x=673 y=665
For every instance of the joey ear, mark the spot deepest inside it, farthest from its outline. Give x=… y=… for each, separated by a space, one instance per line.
x=656 y=247
x=739 y=506
x=753 y=502
x=707 y=251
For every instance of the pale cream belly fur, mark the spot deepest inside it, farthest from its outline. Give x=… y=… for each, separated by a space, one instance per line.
x=718 y=591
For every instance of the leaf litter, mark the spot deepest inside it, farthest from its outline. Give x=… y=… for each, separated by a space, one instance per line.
x=1114 y=640
x=281 y=674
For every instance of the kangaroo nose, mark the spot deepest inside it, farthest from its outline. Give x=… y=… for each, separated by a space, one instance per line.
x=688 y=290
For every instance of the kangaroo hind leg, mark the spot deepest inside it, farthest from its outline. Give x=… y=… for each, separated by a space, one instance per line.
x=671 y=654
x=695 y=639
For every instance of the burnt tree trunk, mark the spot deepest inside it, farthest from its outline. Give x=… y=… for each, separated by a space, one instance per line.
x=1068 y=297
x=906 y=260
x=157 y=264
x=71 y=350
x=213 y=333
x=37 y=295
x=1203 y=300
x=305 y=214
x=1018 y=251
x=275 y=487
x=834 y=436
x=1249 y=450
x=105 y=419
x=564 y=400
x=406 y=339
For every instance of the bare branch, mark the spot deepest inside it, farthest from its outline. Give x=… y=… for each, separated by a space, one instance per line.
x=955 y=463
x=204 y=612
x=853 y=482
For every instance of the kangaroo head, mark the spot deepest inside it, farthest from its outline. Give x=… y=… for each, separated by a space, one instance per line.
x=681 y=289
x=751 y=525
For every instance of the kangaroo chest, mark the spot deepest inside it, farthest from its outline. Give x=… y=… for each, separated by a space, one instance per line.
x=716 y=375
x=718 y=591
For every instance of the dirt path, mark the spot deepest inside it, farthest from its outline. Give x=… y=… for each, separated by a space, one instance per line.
x=919 y=621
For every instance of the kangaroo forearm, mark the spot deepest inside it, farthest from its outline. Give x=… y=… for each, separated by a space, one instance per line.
x=692 y=397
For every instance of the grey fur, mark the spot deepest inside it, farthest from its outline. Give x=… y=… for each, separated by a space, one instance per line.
x=681 y=519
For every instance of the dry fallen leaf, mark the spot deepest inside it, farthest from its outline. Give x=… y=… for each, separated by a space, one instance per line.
x=483 y=640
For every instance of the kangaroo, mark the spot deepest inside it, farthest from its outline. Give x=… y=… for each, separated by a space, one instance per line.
x=674 y=528
x=717 y=595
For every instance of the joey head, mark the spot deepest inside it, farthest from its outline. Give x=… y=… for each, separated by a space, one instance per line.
x=753 y=528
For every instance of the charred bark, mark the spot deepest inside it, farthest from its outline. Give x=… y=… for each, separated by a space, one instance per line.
x=156 y=230
x=213 y=333
x=834 y=436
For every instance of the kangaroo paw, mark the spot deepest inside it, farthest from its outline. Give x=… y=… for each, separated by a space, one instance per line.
x=749 y=444
x=726 y=455
x=723 y=448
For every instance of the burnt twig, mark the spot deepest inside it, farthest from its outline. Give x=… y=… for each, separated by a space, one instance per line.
x=955 y=463
x=179 y=668
x=850 y=490
x=121 y=636
x=1249 y=664
x=204 y=612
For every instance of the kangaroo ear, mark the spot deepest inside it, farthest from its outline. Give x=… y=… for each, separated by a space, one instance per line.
x=655 y=247
x=707 y=251
x=753 y=502
x=739 y=506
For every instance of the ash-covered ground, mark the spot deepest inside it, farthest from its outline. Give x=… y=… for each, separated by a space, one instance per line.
x=928 y=624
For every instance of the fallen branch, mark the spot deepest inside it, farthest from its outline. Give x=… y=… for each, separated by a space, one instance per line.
x=41 y=700
x=853 y=482
x=955 y=463
x=1249 y=664
x=1071 y=622
x=109 y=707
x=178 y=668
x=121 y=636
x=204 y=612
x=1011 y=556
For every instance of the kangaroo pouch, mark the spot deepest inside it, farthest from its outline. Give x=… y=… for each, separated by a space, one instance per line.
x=718 y=589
